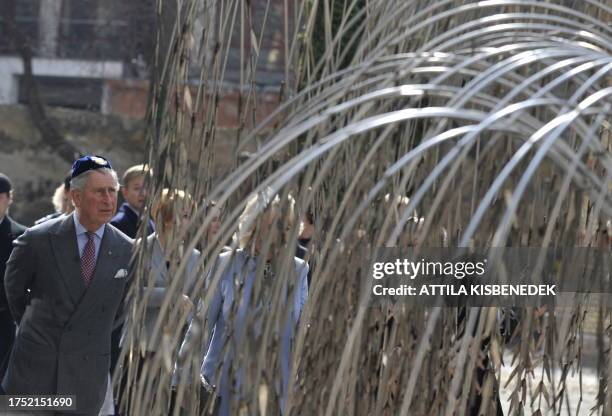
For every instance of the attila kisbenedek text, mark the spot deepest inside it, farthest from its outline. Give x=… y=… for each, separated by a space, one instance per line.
x=437 y=270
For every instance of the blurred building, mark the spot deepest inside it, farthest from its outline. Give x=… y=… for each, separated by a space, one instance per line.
x=77 y=46
x=97 y=55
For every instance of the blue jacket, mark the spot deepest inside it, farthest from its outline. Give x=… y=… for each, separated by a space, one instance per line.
x=226 y=318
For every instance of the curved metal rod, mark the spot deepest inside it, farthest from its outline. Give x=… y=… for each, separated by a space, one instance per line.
x=433 y=175
x=553 y=130
x=554 y=127
x=416 y=23
x=450 y=38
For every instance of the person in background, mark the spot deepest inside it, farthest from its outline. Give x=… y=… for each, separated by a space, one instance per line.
x=65 y=283
x=134 y=193
x=307 y=230
x=9 y=231
x=215 y=225
x=303 y=249
x=170 y=212
x=61 y=202
x=127 y=220
x=211 y=232
x=263 y=222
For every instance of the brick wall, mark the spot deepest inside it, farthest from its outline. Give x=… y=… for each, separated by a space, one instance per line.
x=128 y=98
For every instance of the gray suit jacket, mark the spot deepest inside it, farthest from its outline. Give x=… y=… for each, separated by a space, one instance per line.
x=63 y=341
x=157 y=284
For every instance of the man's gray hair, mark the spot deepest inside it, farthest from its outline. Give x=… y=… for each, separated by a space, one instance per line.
x=80 y=181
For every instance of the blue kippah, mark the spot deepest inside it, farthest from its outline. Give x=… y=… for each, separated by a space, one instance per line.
x=86 y=163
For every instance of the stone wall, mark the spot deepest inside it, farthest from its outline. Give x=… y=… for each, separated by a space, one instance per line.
x=36 y=170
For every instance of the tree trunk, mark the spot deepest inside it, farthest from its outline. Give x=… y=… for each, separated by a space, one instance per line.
x=51 y=137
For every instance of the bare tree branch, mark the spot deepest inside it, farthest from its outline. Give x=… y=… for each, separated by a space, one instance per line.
x=51 y=136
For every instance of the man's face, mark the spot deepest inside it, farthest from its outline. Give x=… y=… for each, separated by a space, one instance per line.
x=5 y=201
x=96 y=203
x=135 y=192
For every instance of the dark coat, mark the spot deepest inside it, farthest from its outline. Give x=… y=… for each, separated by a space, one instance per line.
x=63 y=342
x=300 y=252
x=9 y=231
x=127 y=221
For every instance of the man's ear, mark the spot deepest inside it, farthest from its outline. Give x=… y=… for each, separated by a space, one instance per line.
x=10 y=197
x=123 y=191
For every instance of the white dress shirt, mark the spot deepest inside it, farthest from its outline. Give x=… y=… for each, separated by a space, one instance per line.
x=82 y=236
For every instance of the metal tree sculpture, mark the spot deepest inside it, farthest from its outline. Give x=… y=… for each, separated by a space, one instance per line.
x=492 y=117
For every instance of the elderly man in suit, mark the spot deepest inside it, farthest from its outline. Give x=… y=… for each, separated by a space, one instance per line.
x=9 y=231
x=75 y=268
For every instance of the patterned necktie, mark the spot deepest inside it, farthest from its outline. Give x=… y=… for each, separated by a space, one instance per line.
x=88 y=259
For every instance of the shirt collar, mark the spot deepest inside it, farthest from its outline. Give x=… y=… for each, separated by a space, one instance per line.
x=81 y=230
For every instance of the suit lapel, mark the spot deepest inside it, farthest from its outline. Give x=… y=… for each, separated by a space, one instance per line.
x=66 y=252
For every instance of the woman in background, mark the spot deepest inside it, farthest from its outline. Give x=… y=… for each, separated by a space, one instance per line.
x=262 y=234
x=171 y=212
x=215 y=225
x=61 y=202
